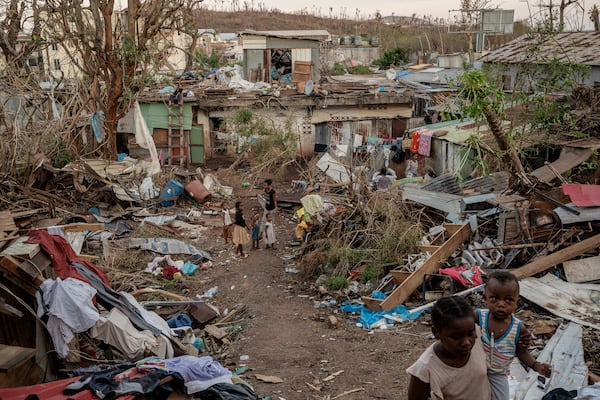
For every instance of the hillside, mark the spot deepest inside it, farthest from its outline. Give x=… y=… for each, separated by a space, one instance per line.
x=415 y=34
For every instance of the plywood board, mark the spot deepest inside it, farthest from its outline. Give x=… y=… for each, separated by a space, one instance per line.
x=11 y=356
x=573 y=301
x=583 y=270
x=22 y=249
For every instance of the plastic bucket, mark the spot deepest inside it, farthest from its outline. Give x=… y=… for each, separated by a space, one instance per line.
x=171 y=192
x=197 y=190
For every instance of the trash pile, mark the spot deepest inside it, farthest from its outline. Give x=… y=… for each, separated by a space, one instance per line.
x=113 y=330
x=447 y=235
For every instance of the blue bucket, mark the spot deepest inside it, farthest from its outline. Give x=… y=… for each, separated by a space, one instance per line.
x=171 y=192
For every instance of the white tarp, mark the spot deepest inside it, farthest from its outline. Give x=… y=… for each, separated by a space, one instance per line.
x=564 y=351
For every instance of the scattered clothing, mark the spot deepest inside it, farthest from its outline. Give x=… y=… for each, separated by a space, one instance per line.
x=116 y=330
x=70 y=308
x=466 y=276
x=415 y=141
x=62 y=255
x=198 y=373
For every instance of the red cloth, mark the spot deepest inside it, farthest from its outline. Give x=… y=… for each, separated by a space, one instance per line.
x=414 y=144
x=62 y=255
x=169 y=271
x=468 y=277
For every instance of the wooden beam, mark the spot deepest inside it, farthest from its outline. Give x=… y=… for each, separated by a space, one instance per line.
x=400 y=276
x=372 y=303
x=413 y=282
x=549 y=261
x=428 y=249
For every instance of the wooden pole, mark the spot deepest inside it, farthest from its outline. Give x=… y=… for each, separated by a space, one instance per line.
x=549 y=261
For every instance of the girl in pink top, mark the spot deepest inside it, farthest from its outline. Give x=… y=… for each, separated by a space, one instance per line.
x=453 y=368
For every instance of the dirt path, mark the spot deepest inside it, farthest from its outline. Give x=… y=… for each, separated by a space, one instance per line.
x=289 y=338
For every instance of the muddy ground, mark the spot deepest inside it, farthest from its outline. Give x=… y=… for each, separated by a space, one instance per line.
x=286 y=336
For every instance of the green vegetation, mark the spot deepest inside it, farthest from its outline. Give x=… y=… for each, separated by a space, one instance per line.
x=60 y=153
x=360 y=70
x=396 y=56
x=371 y=273
x=336 y=283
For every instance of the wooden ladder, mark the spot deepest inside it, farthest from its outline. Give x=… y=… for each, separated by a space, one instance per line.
x=408 y=282
x=176 y=137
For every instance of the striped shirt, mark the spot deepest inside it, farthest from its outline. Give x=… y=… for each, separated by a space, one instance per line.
x=499 y=351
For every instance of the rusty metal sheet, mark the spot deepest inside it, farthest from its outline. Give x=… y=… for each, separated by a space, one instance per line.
x=583 y=195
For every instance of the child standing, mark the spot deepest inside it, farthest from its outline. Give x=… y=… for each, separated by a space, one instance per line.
x=255 y=230
x=227 y=223
x=269 y=232
x=240 y=230
x=454 y=367
x=501 y=333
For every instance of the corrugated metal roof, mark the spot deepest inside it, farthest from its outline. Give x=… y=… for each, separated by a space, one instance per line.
x=566 y=47
x=318 y=34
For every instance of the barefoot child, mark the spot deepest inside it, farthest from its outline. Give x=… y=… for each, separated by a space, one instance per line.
x=227 y=223
x=269 y=232
x=454 y=367
x=502 y=334
x=240 y=230
x=255 y=230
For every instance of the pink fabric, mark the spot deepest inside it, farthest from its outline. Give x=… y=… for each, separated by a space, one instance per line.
x=425 y=143
x=464 y=275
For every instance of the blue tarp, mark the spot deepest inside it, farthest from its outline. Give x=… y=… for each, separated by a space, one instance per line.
x=369 y=318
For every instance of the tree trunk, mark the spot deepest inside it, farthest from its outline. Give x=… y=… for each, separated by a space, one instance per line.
x=509 y=154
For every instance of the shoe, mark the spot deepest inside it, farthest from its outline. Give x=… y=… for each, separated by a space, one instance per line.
x=245 y=255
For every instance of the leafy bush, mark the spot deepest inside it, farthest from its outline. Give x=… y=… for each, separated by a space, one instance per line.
x=396 y=56
x=338 y=69
x=359 y=70
x=371 y=273
x=336 y=283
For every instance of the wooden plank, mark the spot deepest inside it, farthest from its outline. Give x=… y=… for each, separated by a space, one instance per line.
x=7 y=223
x=13 y=273
x=12 y=356
x=20 y=248
x=541 y=264
x=584 y=270
x=399 y=276
x=80 y=227
x=215 y=331
x=430 y=249
x=453 y=228
x=412 y=283
x=372 y=303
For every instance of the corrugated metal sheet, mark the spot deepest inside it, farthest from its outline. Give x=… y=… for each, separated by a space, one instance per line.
x=567 y=47
x=254 y=42
x=317 y=34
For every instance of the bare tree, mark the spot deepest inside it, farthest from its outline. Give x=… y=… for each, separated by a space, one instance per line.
x=595 y=17
x=113 y=54
x=16 y=43
x=564 y=4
